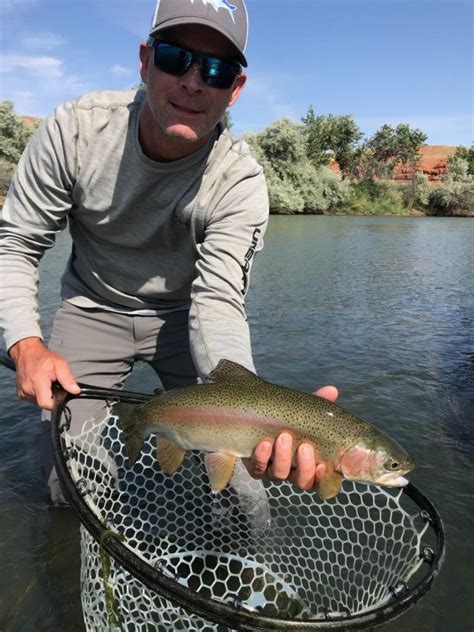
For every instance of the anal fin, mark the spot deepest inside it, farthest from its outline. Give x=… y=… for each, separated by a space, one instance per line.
x=219 y=468
x=170 y=456
x=331 y=483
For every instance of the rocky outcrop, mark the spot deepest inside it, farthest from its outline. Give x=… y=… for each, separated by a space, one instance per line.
x=433 y=163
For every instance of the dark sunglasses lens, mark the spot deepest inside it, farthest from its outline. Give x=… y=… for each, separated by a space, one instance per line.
x=172 y=59
x=218 y=73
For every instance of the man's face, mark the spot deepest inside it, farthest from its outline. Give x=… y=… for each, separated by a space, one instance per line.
x=182 y=111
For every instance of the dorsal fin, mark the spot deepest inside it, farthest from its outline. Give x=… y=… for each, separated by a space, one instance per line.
x=226 y=371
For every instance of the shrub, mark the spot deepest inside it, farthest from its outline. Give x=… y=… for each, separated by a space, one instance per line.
x=376 y=198
x=14 y=133
x=455 y=193
x=6 y=173
x=417 y=193
x=323 y=190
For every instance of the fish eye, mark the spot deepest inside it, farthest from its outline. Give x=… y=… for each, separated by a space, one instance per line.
x=392 y=465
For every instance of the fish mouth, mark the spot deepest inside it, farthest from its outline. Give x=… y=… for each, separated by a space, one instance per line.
x=392 y=480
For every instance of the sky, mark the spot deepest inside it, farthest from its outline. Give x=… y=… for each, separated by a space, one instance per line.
x=383 y=61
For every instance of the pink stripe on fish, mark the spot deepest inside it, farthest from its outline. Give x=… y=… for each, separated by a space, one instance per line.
x=218 y=415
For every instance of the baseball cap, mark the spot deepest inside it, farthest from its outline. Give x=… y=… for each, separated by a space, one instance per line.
x=229 y=17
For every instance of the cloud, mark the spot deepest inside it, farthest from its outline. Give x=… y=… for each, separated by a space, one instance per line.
x=42 y=41
x=36 y=84
x=120 y=71
x=42 y=66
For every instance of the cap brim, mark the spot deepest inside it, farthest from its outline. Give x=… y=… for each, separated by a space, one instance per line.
x=239 y=56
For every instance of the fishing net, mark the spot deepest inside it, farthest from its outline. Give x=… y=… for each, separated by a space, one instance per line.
x=169 y=554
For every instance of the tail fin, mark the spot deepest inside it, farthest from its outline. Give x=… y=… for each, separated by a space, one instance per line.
x=129 y=417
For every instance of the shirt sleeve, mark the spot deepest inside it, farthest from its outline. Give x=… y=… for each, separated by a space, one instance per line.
x=35 y=210
x=233 y=234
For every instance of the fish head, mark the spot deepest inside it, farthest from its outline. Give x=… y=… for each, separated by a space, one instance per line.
x=382 y=463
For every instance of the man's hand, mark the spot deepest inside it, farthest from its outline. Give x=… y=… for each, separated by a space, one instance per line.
x=273 y=461
x=37 y=369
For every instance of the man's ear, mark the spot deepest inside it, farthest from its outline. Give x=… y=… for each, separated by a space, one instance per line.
x=145 y=58
x=237 y=88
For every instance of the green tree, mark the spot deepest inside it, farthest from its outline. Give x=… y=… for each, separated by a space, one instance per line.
x=391 y=146
x=227 y=120
x=417 y=193
x=387 y=148
x=330 y=137
x=467 y=154
x=455 y=193
x=14 y=133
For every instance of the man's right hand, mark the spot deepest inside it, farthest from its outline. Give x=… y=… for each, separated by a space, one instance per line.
x=36 y=370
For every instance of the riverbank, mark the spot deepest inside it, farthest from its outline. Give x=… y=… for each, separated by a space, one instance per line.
x=436 y=189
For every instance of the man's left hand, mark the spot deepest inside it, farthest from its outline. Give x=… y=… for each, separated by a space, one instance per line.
x=273 y=460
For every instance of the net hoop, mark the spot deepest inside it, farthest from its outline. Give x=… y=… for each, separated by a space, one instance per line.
x=233 y=616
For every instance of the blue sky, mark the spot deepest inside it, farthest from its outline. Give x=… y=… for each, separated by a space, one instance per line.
x=384 y=61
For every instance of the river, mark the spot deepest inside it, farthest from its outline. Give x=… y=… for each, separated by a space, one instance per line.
x=381 y=307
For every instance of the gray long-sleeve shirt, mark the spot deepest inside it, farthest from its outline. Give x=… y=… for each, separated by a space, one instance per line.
x=147 y=236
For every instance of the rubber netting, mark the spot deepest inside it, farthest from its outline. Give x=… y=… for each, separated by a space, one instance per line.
x=269 y=548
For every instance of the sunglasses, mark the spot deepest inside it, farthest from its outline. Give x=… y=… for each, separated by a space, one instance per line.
x=175 y=60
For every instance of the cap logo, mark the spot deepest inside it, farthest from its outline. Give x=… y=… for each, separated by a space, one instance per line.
x=221 y=4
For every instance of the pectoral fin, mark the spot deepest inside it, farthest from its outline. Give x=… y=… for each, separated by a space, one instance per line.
x=170 y=456
x=219 y=468
x=330 y=484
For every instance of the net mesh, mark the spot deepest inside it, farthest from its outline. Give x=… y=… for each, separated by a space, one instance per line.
x=271 y=549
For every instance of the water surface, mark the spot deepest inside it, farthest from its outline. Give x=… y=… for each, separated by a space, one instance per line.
x=381 y=307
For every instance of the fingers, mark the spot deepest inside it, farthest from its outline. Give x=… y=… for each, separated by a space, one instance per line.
x=43 y=392
x=258 y=463
x=328 y=392
x=271 y=461
x=274 y=462
x=304 y=473
x=280 y=466
x=66 y=378
x=37 y=370
x=60 y=372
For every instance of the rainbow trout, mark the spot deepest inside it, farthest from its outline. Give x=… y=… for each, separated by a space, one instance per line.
x=229 y=415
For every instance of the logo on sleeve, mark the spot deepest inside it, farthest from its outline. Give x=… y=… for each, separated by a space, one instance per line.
x=248 y=257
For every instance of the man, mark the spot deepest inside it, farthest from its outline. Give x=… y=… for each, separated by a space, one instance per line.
x=166 y=211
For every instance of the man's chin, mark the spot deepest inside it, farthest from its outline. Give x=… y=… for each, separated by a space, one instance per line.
x=186 y=134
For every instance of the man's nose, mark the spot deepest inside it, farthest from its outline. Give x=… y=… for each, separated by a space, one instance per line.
x=192 y=79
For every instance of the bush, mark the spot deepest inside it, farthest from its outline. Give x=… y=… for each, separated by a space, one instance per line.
x=376 y=198
x=323 y=190
x=417 y=193
x=6 y=173
x=14 y=133
x=453 y=198
x=455 y=193
x=294 y=184
x=467 y=154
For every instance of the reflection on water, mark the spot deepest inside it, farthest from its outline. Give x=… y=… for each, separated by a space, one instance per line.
x=381 y=307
